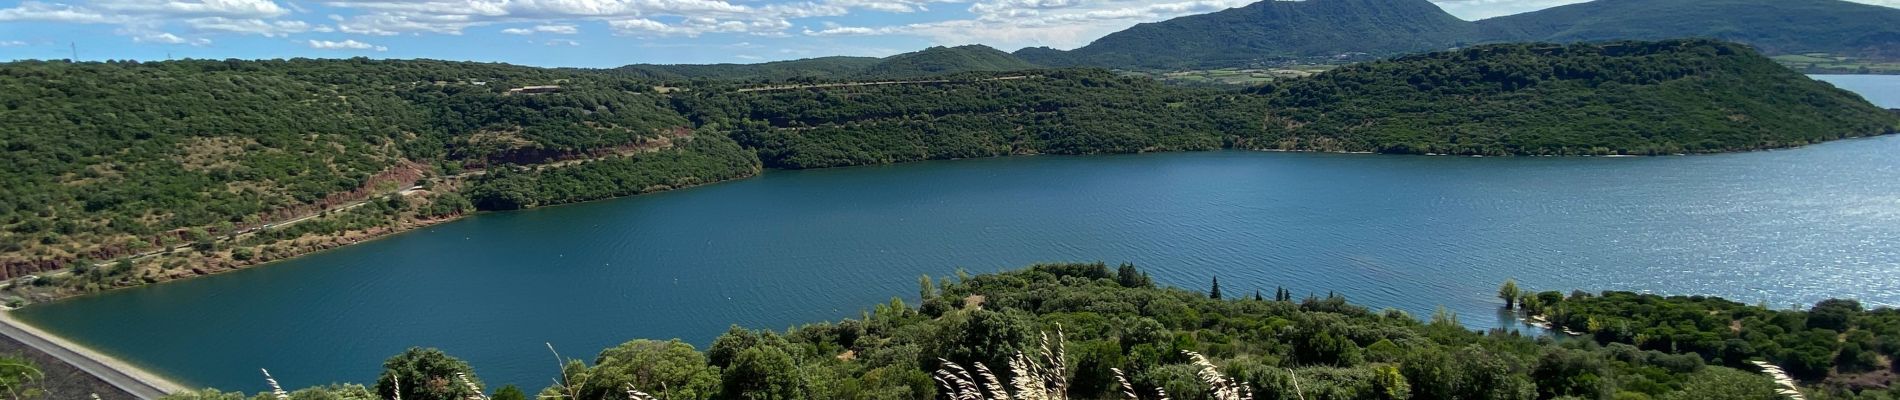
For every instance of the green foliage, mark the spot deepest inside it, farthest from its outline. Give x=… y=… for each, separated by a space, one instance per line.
x=426 y=374
x=1833 y=337
x=1726 y=384
x=20 y=378
x=509 y=392
x=1509 y=293
x=1651 y=98
x=1332 y=349
x=947 y=60
x=668 y=370
x=699 y=160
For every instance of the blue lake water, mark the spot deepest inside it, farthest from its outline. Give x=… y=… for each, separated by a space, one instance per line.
x=1783 y=227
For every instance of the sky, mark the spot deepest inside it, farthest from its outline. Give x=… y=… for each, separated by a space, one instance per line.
x=586 y=33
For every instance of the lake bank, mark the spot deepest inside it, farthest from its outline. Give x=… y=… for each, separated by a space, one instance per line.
x=790 y=247
x=1180 y=201
x=129 y=379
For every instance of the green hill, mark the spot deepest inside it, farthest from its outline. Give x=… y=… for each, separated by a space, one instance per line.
x=927 y=62
x=1271 y=29
x=1678 y=96
x=946 y=60
x=1772 y=26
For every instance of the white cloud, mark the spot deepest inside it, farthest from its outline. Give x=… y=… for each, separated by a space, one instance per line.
x=12 y=43
x=695 y=26
x=249 y=26
x=558 y=29
x=344 y=45
x=168 y=38
x=562 y=42
x=37 y=11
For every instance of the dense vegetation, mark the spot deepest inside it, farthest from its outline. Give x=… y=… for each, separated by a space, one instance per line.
x=1836 y=342
x=1668 y=97
x=105 y=160
x=922 y=63
x=700 y=160
x=1062 y=111
x=1270 y=30
x=1095 y=320
x=1773 y=26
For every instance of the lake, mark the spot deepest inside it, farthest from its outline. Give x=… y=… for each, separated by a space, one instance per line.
x=1781 y=227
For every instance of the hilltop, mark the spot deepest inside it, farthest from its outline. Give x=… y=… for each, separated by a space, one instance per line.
x=927 y=62
x=1667 y=97
x=1271 y=30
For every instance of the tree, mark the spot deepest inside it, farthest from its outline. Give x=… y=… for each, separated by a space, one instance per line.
x=1215 y=292
x=509 y=392
x=761 y=373
x=1717 y=383
x=1130 y=277
x=426 y=374
x=1509 y=293
x=669 y=370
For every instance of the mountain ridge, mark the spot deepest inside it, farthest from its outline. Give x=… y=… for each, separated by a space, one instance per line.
x=1321 y=28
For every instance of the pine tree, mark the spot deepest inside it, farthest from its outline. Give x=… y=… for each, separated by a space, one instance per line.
x=1215 y=293
x=1257 y=296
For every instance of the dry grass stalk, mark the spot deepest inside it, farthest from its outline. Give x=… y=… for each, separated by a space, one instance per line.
x=1042 y=377
x=396 y=382
x=571 y=391
x=1223 y=388
x=475 y=392
x=275 y=390
x=1127 y=389
x=636 y=394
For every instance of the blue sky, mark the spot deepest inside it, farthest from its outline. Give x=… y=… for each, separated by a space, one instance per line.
x=585 y=33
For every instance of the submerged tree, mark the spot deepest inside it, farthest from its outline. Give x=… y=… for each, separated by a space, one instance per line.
x=1509 y=293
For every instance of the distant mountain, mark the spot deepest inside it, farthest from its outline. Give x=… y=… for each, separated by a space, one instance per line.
x=823 y=67
x=1271 y=29
x=1772 y=26
x=947 y=60
x=1318 y=28
x=927 y=62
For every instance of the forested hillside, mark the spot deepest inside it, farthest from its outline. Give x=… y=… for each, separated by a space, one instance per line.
x=1277 y=30
x=1086 y=331
x=1772 y=26
x=206 y=165
x=1268 y=29
x=1668 y=97
x=922 y=63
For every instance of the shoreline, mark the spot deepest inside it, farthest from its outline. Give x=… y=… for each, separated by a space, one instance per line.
x=408 y=225
x=129 y=378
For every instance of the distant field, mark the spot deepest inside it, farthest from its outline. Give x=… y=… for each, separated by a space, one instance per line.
x=1233 y=76
x=1823 y=63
